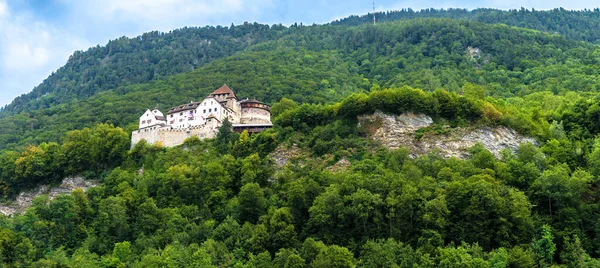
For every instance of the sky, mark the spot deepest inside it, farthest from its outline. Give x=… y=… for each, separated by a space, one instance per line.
x=38 y=36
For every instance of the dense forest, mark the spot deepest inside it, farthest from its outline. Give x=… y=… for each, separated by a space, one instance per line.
x=323 y=64
x=573 y=24
x=156 y=55
x=226 y=202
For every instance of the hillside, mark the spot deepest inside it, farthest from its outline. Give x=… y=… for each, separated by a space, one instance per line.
x=150 y=56
x=154 y=56
x=223 y=202
x=572 y=24
x=417 y=142
x=322 y=64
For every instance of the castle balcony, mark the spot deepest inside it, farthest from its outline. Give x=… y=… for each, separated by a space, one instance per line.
x=251 y=128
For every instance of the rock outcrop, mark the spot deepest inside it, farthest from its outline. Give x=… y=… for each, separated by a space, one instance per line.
x=283 y=154
x=400 y=131
x=24 y=200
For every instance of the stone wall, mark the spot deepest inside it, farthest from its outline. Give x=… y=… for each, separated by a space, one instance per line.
x=148 y=134
x=172 y=137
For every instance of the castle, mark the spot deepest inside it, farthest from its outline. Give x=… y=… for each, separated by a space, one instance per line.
x=202 y=119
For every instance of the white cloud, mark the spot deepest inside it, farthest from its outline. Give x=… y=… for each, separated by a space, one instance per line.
x=3 y=9
x=30 y=50
x=165 y=15
x=163 y=9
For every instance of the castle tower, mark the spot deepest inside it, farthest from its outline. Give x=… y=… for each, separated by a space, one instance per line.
x=224 y=94
x=255 y=112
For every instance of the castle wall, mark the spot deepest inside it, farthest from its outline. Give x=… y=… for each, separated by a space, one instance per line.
x=149 y=134
x=253 y=114
x=259 y=117
x=172 y=137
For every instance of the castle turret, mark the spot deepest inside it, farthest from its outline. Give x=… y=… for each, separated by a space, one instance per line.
x=224 y=94
x=255 y=112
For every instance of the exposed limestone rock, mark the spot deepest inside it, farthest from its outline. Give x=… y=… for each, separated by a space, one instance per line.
x=283 y=154
x=399 y=131
x=340 y=165
x=24 y=200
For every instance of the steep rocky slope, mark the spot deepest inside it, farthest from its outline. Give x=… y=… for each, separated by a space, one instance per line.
x=24 y=200
x=403 y=131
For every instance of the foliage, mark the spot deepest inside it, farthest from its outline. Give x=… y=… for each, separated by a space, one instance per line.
x=226 y=202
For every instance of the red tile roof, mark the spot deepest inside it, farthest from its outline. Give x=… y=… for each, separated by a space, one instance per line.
x=224 y=90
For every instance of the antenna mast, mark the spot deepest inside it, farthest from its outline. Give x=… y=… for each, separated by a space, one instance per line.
x=374 y=13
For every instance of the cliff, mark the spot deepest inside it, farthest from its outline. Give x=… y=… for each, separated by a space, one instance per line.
x=403 y=131
x=24 y=200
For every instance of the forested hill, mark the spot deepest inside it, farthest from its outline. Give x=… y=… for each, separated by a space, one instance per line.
x=154 y=55
x=150 y=56
x=572 y=24
x=317 y=189
x=322 y=64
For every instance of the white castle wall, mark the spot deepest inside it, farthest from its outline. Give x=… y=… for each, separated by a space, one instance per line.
x=256 y=116
x=149 y=134
x=170 y=137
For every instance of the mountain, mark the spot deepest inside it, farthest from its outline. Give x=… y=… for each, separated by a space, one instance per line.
x=322 y=64
x=150 y=56
x=572 y=24
x=154 y=55
x=334 y=183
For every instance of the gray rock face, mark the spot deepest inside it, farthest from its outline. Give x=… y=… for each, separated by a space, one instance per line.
x=399 y=131
x=24 y=200
x=282 y=155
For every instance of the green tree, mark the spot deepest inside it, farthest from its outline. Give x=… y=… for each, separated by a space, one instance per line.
x=225 y=137
x=283 y=105
x=544 y=246
x=573 y=253
x=252 y=202
x=242 y=148
x=334 y=256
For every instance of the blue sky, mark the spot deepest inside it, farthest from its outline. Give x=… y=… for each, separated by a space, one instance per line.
x=37 y=36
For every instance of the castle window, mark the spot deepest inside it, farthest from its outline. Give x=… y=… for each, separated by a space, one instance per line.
x=181 y=113
x=209 y=110
x=171 y=116
x=143 y=121
x=215 y=109
x=204 y=110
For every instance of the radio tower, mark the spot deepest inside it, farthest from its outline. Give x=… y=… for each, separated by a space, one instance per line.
x=374 y=21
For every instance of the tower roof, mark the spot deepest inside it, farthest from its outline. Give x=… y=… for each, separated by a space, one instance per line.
x=224 y=89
